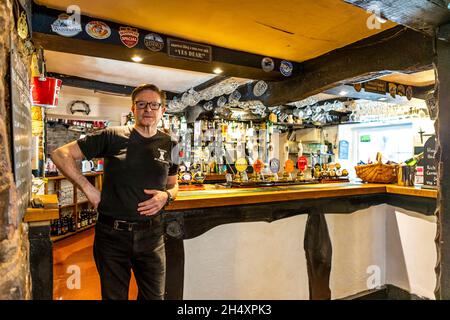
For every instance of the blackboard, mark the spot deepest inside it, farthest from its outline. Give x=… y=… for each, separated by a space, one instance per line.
x=429 y=162
x=21 y=132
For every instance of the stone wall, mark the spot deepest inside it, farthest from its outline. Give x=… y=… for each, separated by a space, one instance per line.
x=15 y=280
x=58 y=135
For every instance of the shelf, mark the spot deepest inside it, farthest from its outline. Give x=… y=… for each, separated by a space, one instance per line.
x=83 y=202
x=68 y=234
x=67 y=206
x=93 y=173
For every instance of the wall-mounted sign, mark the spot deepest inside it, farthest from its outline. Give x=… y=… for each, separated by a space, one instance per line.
x=66 y=26
x=189 y=50
x=98 y=30
x=343 y=149
x=154 y=42
x=365 y=138
x=129 y=36
x=375 y=86
x=286 y=68
x=429 y=162
x=267 y=64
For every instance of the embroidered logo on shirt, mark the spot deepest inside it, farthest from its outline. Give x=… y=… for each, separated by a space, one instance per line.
x=162 y=155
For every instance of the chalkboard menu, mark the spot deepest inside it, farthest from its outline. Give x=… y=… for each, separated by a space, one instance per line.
x=21 y=131
x=429 y=163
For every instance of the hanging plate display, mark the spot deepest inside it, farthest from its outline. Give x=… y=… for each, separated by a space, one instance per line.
x=260 y=88
x=154 y=42
x=286 y=68
x=98 y=30
x=267 y=64
x=129 y=36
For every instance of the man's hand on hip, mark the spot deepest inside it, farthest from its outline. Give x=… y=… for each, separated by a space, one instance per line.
x=153 y=205
x=93 y=195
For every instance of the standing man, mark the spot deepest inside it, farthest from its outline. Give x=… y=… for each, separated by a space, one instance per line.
x=140 y=178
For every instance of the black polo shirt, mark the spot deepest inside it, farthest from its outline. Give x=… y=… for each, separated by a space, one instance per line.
x=132 y=163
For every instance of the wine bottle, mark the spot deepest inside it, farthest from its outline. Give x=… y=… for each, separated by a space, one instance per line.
x=413 y=161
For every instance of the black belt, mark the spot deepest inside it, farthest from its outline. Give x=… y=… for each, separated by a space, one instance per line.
x=123 y=225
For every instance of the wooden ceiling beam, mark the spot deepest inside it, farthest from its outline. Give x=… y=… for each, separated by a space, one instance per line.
x=420 y=15
x=396 y=50
x=232 y=62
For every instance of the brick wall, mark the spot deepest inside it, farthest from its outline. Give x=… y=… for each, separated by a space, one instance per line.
x=14 y=246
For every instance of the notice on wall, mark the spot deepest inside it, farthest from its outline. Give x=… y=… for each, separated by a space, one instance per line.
x=21 y=132
x=429 y=162
x=343 y=149
x=189 y=50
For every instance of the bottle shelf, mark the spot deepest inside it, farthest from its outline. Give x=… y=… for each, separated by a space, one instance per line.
x=68 y=234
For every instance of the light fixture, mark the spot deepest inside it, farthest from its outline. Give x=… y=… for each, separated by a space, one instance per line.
x=136 y=58
x=343 y=93
x=217 y=71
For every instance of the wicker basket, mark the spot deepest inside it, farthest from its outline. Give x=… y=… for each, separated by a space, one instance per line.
x=377 y=172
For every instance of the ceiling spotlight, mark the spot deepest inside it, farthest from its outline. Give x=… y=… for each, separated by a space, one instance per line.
x=343 y=93
x=136 y=58
x=217 y=71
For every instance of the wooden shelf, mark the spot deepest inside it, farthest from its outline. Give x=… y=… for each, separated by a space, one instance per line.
x=67 y=206
x=89 y=174
x=83 y=202
x=68 y=234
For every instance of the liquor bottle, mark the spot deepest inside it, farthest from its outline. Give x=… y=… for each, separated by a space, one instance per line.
x=79 y=220
x=413 y=161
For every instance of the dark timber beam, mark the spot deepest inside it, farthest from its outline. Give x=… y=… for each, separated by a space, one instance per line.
x=78 y=82
x=421 y=15
x=233 y=63
x=443 y=157
x=396 y=50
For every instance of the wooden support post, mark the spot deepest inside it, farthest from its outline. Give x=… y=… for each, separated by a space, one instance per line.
x=318 y=250
x=41 y=261
x=443 y=157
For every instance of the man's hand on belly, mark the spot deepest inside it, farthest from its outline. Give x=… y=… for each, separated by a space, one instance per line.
x=153 y=205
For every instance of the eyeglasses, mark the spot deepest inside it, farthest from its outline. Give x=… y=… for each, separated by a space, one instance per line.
x=140 y=105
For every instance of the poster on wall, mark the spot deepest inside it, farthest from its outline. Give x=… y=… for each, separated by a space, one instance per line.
x=21 y=132
x=343 y=149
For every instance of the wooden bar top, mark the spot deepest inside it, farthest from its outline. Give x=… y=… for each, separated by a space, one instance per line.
x=212 y=196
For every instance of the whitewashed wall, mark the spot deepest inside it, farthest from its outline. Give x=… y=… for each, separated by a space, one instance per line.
x=103 y=106
x=260 y=260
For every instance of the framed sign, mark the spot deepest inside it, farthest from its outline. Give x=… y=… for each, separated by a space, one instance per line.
x=343 y=149
x=189 y=50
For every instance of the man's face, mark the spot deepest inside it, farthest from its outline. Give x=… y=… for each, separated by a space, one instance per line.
x=147 y=117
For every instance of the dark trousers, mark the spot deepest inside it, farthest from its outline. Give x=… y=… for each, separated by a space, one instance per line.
x=117 y=252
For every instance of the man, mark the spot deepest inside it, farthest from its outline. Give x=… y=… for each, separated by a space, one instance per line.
x=140 y=178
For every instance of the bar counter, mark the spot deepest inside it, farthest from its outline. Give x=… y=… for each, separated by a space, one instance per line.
x=202 y=196
x=200 y=208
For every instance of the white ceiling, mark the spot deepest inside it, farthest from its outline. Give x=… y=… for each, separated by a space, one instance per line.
x=124 y=73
